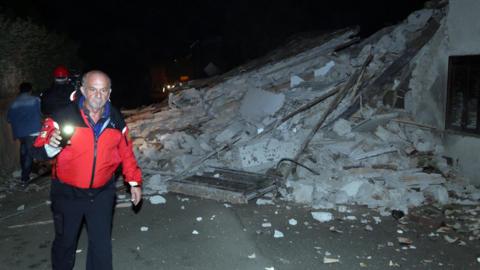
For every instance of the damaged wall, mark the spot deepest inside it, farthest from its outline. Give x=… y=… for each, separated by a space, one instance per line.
x=458 y=35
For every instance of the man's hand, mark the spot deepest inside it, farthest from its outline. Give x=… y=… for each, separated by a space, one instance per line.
x=52 y=147
x=136 y=194
x=55 y=139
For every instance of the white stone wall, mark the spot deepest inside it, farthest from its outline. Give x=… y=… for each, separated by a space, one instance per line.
x=463 y=23
x=459 y=34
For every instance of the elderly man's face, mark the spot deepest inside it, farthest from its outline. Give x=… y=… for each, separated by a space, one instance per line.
x=96 y=91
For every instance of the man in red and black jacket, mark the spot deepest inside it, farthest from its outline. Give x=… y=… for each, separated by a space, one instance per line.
x=88 y=140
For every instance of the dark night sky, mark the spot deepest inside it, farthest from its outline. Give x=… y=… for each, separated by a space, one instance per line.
x=127 y=38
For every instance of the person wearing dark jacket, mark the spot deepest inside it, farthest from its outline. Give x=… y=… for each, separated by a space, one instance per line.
x=88 y=140
x=24 y=117
x=59 y=94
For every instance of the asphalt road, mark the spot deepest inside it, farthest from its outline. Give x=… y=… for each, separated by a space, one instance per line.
x=233 y=237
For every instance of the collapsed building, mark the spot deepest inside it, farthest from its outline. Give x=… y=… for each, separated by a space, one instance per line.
x=334 y=119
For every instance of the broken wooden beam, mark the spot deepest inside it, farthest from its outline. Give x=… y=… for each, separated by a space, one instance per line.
x=352 y=84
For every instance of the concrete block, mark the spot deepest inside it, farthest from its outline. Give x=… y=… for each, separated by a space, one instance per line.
x=325 y=69
x=343 y=128
x=184 y=98
x=414 y=198
x=157 y=199
x=295 y=81
x=340 y=197
x=183 y=161
x=266 y=153
x=302 y=191
x=344 y=148
x=423 y=140
x=322 y=216
x=438 y=193
x=227 y=134
x=412 y=179
x=258 y=104
x=351 y=189
x=156 y=184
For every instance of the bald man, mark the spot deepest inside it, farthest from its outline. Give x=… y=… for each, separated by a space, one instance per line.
x=88 y=140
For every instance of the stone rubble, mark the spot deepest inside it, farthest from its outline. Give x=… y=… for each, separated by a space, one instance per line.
x=376 y=156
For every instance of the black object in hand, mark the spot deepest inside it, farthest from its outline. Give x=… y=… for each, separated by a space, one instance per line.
x=66 y=132
x=397 y=214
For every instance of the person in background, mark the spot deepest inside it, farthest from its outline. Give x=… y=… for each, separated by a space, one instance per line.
x=59 y=94
x=88 y=140
x=25 y=117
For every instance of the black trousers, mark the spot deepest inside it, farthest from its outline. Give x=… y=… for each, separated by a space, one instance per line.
x=26 y=157
x=70 y=206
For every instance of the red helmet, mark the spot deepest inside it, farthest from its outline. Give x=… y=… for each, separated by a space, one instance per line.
x=60 y=72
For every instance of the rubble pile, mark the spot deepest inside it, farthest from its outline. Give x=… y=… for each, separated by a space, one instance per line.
x=330 y=119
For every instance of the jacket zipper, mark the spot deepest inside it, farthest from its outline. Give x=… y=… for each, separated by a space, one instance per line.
x=94 y=158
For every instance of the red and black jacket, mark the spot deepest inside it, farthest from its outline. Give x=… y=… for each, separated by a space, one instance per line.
x=90 y=161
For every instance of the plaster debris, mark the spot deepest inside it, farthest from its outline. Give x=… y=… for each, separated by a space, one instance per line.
x=21 y=207
x=393 y=264
x=404 y=240
x=328 y=260
x=322 y=216
x=324 y=70
x=261 y=201
x=199 y=219
x=144 y=229
x=266 y=225
x=156 y=184
x=292 y=222
x=295 y=81
x=303 y=190
x=157 y=199
x=252 y=256
x=259 y=104
x=335 y=230
x=123 y=205
x=449 y=239
x=343 y=128
x=195 y=232
x=265 y=154
x=278 y=234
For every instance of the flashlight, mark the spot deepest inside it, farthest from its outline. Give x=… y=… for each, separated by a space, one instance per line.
x=66 y=132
